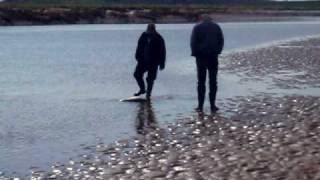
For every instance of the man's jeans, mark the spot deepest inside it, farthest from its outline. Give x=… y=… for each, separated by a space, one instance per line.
x=152 y=75
x=204 y=64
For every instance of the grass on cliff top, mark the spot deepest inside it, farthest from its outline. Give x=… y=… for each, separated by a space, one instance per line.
x=311 y=5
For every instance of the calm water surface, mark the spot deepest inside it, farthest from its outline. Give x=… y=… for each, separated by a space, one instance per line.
x=60 y=85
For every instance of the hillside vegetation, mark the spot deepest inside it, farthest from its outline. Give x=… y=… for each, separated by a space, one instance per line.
x=38 y=12
x=260 y=4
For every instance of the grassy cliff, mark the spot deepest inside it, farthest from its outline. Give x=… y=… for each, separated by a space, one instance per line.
x=36 y=12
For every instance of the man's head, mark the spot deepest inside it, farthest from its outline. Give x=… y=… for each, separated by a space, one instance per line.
x=151 y=28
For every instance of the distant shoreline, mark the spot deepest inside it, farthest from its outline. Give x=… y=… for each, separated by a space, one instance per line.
x=15 y=16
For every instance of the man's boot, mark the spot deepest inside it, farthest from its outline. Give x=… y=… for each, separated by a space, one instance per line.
x=139 y=93
x=214 y=108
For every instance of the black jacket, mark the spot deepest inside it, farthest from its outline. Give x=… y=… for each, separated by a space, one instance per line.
x=206 y=39
x=151 y=50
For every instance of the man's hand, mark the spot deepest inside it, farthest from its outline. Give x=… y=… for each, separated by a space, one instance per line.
x=161 y=67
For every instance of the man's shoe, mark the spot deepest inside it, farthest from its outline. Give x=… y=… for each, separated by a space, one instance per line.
x=199 y=109
x=139 y=93
x=214 y=109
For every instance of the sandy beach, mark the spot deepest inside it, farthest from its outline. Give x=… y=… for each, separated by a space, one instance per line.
x=263 y=136
x=288 y=65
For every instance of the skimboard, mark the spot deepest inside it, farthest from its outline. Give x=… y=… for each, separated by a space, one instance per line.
x=134 y=99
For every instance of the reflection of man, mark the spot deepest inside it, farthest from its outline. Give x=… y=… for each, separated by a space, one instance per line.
x=146 y=119
x=206 y=44
x=150 y=54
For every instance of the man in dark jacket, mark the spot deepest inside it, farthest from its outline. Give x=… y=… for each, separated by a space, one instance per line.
x=150 y=54
x=206 y=44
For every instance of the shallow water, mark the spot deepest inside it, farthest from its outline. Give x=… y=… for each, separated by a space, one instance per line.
x=61 y=85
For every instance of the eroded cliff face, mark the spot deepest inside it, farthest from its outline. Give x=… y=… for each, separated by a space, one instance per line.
x=19 y=16
x=104 y=15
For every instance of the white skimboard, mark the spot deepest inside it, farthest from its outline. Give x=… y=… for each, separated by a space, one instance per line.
x=134 y=99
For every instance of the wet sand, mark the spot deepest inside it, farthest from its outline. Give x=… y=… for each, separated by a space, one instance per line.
x=266 y=138
x=288 y=65
x=263 y=136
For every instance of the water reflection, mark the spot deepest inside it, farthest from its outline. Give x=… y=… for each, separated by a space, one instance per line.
x=146 y=119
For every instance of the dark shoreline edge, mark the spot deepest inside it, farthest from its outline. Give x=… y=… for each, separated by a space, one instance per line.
x=14 y=16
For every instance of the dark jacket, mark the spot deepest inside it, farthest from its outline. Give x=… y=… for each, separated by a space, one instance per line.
x=151 y=50
x=206 y=39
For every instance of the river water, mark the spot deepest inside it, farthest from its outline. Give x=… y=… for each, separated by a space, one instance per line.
x=60 y=85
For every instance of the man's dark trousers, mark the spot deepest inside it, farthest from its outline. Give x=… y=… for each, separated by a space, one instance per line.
x=152 y=75
x=207 y=63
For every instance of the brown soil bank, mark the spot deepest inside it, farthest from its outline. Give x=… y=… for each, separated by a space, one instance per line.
x=21 y=15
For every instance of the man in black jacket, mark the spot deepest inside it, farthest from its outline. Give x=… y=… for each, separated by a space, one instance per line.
x=150 y=54
x=206 y=44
